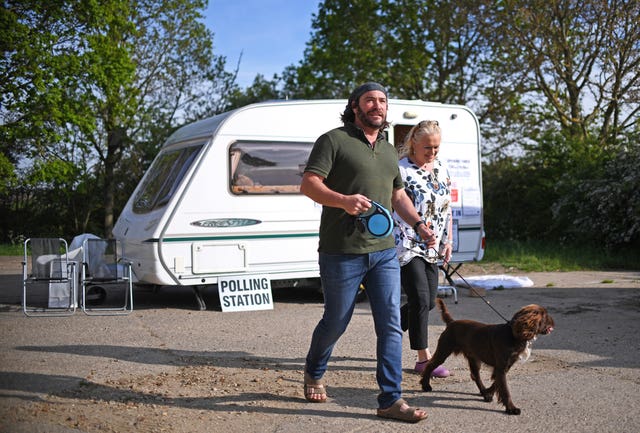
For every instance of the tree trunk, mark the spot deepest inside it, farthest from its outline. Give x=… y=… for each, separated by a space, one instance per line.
x=115 y=144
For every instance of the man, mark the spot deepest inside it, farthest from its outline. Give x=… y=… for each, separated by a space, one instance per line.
x=348 y=167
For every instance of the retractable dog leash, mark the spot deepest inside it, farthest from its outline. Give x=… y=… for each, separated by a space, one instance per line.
x=440 y=256
x=469 y=286
x=376 y=221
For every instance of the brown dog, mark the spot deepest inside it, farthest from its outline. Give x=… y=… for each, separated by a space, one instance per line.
x=496 y=345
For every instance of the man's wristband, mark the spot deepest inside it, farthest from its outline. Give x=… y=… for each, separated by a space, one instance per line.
x=417 y=224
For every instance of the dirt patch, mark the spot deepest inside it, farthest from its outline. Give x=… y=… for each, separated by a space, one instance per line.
x=11 y=265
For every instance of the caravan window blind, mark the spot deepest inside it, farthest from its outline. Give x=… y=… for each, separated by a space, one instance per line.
x=259 y=167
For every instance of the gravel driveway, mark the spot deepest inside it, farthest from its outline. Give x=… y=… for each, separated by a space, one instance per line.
x=168 y=367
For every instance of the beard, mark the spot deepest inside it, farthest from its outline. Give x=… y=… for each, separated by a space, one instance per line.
x=369 y=122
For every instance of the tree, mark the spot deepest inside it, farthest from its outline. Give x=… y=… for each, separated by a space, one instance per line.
x=36 y=67
x=434 y=48
x=566 y=77
x=104 y=83
x=345 y=50
x=41 y=62
x=420 y=49
x=260 y=90
x=555 y=85
x=573 y=64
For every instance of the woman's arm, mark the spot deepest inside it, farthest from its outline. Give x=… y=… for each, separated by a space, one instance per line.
x=404 y=207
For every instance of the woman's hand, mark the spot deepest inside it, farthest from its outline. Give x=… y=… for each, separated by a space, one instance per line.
x=427 y=235
x=447 y=252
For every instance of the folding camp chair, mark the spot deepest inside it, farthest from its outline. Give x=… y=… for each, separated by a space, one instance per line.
x=106 y=278
x=48 y=278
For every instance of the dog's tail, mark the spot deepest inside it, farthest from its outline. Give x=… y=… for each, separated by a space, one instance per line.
x=446 y=317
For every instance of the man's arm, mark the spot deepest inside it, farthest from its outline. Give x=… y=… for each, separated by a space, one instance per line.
x=313 y=186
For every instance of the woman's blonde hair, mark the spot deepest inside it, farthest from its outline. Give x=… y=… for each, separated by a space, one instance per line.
x=426 y=127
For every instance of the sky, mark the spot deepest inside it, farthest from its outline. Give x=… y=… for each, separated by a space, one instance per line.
x=269 y=34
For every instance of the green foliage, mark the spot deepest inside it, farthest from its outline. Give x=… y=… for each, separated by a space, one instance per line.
x=344 y=50
x=571 y=65
x=89 y=91
x=604 y=203
x=7 y=174
x=260 y=90
x=516 y=206
x=565 y=191
x=419 y=49
x=16 y=249
x=38 y=66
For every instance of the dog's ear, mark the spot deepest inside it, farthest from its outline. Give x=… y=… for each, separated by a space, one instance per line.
x=523 y=330
x=526 y=322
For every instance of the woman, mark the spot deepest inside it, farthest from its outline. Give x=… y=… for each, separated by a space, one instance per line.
x=428 y=184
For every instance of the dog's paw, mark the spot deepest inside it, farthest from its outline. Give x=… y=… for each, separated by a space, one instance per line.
x=487 y=396
x=513 y=411
x=426 y=387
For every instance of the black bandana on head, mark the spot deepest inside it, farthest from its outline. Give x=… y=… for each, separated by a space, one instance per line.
x=364 y=88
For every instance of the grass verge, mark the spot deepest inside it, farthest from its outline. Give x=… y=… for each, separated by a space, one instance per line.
x=526 y=256
x=535 y=256
x=11 y=249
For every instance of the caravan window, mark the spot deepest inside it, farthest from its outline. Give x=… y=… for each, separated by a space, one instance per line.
x=163 y=178
x=259 y=167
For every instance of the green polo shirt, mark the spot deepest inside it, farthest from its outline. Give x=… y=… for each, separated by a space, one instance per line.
x=350 y=166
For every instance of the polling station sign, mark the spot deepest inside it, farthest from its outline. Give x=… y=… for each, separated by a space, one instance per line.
x=245 y=293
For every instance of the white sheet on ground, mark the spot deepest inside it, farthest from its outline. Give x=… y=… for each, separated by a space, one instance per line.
x=489 y=282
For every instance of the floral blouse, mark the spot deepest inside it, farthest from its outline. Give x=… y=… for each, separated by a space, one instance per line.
x=431 y=196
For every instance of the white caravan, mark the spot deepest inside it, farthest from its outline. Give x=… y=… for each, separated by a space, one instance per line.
x=221 y=199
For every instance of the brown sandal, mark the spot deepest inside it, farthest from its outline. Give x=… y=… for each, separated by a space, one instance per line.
x=395 y=412
x=312 y=387
x=310 y=390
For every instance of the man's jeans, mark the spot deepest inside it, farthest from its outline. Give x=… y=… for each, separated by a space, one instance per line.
x=341 y=275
